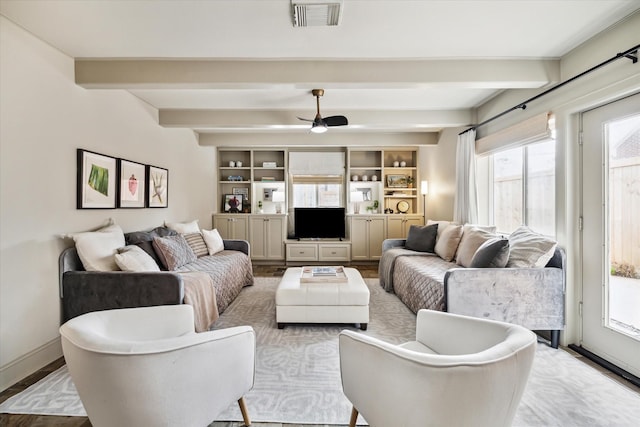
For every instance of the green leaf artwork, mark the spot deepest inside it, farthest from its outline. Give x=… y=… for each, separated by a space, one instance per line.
x=99 y=179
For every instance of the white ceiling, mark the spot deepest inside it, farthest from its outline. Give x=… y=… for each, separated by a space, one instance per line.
x=390 y=65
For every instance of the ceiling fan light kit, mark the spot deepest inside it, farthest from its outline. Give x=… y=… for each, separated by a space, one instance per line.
x=319 y=124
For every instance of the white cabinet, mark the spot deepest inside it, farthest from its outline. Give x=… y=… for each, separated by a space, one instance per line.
x=367 y=233
x=266 y=236
x=398 y=225
x=232 y=226
x=326 y=252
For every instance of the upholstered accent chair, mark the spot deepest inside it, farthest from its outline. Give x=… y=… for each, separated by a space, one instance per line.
x=460 y=371
x=147 y=366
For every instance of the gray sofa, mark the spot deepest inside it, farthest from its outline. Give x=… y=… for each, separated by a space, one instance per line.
x=85 y=291
x=530 y=297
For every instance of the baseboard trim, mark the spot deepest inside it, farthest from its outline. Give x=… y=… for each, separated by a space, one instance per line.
x=29 y=363
x=606 y=364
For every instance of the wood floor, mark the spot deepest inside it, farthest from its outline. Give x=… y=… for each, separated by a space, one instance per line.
x=15 y=420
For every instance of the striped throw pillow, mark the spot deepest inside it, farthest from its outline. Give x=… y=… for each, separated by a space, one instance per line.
x=197 y=244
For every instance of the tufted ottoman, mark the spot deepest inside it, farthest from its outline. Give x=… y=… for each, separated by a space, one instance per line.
x=325 y=302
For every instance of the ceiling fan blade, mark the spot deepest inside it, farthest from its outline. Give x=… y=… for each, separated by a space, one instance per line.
x=336 y=121
x=305 y=120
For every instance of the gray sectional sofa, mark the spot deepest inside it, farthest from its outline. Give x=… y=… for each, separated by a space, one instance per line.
x=84 y=291
x=533 y=297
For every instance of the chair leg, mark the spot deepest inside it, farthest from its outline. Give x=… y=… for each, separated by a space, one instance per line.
x=245 y=413
x=354 y=417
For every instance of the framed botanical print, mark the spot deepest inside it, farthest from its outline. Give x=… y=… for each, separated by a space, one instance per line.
x=132 y=184
x=96 y=181
x=157 y=187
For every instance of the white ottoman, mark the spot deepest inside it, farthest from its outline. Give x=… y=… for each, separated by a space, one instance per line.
x=324 y=302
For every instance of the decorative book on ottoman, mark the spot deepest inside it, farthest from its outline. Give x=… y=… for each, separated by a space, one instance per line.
x=322 y=274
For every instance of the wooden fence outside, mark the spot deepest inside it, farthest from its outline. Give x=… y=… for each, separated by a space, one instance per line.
x=624 y=211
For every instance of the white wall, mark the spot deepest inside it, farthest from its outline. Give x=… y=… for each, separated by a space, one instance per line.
x=611 y=82
x=437 y=164
x=44 y=118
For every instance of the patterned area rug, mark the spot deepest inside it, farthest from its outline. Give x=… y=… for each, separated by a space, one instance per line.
x=298 y=377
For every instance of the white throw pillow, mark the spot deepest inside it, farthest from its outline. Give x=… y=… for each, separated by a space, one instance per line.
x=213 y=241
x=529 y=249
x=184 y=227
x=134 y=258
x=96 y=249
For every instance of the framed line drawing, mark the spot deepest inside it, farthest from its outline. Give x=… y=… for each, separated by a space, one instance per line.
x=132 y=182
x=157 y=187
x=96 y=180
x=243 y=191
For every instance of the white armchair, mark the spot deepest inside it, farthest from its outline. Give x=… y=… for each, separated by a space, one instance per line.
x=147 y=366
x=460 y=371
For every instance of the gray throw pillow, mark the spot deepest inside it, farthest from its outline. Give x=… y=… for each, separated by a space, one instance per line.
x=494 y=253
x=422 y=238
x=173 y=251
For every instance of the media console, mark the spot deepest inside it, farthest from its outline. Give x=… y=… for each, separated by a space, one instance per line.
x=326 y=251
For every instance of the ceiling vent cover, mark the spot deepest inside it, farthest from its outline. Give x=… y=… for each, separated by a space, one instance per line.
x=315 y=13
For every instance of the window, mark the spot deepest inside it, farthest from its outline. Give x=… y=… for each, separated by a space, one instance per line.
x=317 y=191
x=317 y=195
x=523 y=187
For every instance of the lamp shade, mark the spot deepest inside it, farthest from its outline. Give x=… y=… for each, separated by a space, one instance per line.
x=424 y=187
x=277 y=196
x=357 y=196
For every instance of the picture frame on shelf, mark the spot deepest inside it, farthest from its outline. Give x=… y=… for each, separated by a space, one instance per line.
x=397 y=181
x=366 y=194
x=243 y=191
x=96 y=180
x=232 y=203
x=157 y=187
x=132 y=184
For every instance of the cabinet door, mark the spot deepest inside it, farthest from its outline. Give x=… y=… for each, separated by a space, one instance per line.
x=413 y=220
x=275 y=234
x=258 y=236
x=395 y=227
x=359 y=238
x=377 y=233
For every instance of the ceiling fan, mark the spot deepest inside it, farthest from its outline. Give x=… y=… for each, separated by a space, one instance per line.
x=320 y=125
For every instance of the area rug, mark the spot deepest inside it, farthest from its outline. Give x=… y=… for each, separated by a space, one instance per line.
x=298 y=377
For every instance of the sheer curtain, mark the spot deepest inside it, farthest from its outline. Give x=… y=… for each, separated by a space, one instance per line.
x=465 y=209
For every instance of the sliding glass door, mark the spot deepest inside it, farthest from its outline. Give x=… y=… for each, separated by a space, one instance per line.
x=611 y=232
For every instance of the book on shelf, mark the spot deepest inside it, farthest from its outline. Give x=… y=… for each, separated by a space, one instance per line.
x=268 y=178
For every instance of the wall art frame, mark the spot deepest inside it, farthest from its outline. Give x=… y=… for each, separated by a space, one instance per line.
x=132 y=181
x=232 y=203
x=96 y=180
x=157 y=187
x=397 y=181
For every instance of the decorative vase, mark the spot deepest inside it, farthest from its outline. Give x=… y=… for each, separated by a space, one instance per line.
x=354 y=178
x=396 y=164
x=374 y=177
x=403 y=164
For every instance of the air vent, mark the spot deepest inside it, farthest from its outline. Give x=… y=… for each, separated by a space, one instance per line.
x=307 y=14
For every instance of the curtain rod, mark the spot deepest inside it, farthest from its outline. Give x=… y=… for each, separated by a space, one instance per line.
x=631 y=54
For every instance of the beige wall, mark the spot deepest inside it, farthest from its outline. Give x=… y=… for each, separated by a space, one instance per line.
x=44 y=118
x=611 y=82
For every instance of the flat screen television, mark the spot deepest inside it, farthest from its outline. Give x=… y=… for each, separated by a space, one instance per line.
x=319 y=223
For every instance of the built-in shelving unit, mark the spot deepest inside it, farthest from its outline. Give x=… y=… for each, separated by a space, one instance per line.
x=389 y=177
x=254 y=173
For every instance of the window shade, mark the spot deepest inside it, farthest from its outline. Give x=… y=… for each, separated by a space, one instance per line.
x=317 y=179
x=537 y=128
x=316 y=163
